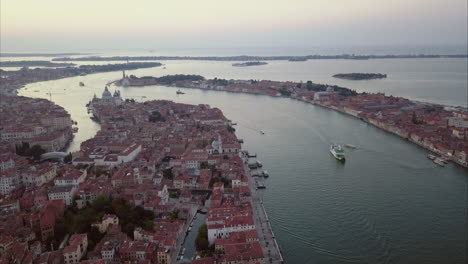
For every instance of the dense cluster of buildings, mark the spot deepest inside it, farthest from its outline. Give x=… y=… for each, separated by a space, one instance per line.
x=165 y=157
x=433 y=127
x=34 y=121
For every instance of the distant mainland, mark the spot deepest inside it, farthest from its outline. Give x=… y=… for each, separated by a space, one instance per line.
x=360 y=76
x=34 y=64
x=35 y=54
x=256 y=58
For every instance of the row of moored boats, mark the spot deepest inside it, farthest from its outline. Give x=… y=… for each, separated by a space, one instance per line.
x=437 y=160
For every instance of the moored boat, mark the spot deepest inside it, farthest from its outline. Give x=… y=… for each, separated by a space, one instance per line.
x=252 y=155
x=260 y=185
x=265 y=174
x=337 y=151
x=252 y=165
x=439 y=162
x=350 y=146
x=179 y=92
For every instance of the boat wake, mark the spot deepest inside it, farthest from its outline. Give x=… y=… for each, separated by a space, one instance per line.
x=251 y=128
x=395 y=159
x=377 y=248
x=318 y=248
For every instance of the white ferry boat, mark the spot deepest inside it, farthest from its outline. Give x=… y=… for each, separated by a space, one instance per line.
x=337 y=152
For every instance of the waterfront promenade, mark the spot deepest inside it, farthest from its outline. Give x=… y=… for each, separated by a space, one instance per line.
x=266 y=236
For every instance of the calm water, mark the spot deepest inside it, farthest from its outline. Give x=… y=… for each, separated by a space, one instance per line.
x=387 y=204
x=443 y=81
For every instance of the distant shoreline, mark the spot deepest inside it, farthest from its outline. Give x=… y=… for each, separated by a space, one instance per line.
x=39 y=63
x=258 y=58
x=32 y=54
x=15 y=79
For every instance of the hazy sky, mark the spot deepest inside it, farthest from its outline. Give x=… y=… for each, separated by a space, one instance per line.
x=61 y=25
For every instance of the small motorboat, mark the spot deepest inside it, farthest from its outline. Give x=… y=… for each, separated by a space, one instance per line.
x=179 y=92
x=350 y=146
x=262 y=132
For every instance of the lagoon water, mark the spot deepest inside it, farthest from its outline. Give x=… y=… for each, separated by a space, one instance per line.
x=387 y=204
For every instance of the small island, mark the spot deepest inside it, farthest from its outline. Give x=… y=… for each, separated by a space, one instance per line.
x=304 y=58
x=360 y=76
x=249 y=63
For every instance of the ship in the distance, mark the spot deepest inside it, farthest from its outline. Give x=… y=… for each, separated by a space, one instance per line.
x=337 y=152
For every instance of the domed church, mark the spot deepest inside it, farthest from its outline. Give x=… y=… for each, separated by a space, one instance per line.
x=108 y=98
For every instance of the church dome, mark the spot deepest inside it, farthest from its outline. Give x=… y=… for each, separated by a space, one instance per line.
x=106 y=93
x=215 y=144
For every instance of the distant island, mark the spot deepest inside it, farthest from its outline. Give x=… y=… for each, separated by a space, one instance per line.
x=34 y=64
x=298 y=59
x=360 y=76
x=249 y=63
x=133 y=80
x=198 y=81
x=258 y=58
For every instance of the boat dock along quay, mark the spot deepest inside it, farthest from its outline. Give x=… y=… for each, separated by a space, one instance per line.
x=267 y=239
x=249 y=155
